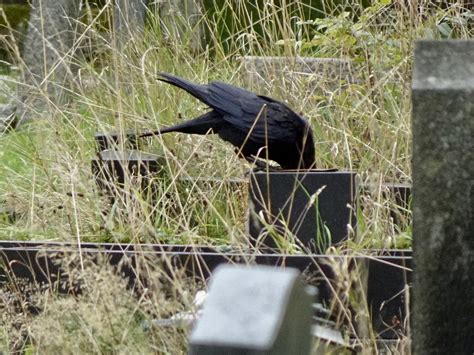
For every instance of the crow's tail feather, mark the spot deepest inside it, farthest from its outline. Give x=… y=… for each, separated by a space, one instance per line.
x=197 y=90
x=210 y=121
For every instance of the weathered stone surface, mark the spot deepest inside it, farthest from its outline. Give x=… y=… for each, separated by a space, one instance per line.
x=7 y=116
x=129 y=20
x=309 y=208
x=181 y=22
x=254 y=310
x=297 y=72
x=48 y=53
x=443 y=197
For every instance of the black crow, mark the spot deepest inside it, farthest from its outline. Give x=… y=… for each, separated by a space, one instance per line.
x=258 y=126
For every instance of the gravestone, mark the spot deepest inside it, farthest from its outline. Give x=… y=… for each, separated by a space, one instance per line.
x=314 y=75
x=49 y=51
x=443 y=197
x=313 y=209
x=182 y=22
x=116 y=171
x=129 y=20
x=254 y=310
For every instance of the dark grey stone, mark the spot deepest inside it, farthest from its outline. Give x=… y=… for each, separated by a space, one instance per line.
x=443 y=197
x=116 y=170
x=128 y=140
x=254 y=310
x=315 y=207
x=7 y=116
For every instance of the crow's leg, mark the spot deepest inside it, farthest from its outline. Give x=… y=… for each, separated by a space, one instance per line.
x=260 y=164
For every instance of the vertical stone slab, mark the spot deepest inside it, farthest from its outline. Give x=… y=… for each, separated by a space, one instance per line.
x=443 y=197
x=48 y=55
x=309 y=208
x=129 y=20
x=181 y=18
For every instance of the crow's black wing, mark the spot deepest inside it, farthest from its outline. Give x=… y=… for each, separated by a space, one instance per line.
x=230 y=100
x=225 y=98
x=241 y=108
x=265 y=117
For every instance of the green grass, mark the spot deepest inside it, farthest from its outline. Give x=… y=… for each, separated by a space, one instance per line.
x=363 y=125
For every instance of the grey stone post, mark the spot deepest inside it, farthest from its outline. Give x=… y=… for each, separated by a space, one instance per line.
x=48 y=54
x=129 y=20
x=443 y=197
x=180 y=17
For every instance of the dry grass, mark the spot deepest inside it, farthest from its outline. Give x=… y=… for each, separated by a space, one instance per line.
x=105 y=317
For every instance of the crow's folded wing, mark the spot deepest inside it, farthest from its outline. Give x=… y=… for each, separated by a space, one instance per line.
x=264 y=117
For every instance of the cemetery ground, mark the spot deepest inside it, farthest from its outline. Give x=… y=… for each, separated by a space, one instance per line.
x=48 y=192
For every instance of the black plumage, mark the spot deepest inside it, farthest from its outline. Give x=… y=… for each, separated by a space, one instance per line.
x=248 y=121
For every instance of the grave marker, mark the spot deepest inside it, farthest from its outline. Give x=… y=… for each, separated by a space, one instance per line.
x=254 y=310
x=443 y=197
